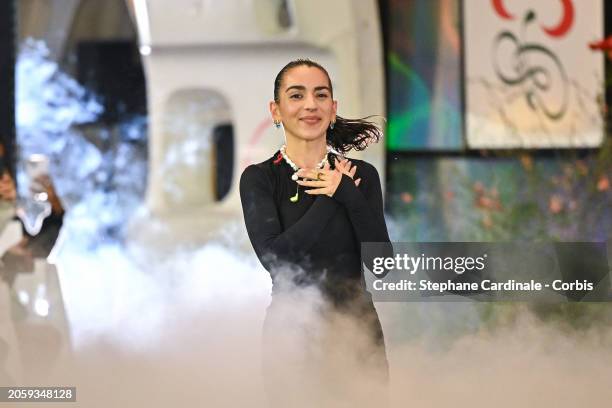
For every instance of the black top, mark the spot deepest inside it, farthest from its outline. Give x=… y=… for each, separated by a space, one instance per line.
x=319 y=236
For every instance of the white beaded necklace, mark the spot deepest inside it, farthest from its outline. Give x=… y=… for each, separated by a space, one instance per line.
x=295 y=168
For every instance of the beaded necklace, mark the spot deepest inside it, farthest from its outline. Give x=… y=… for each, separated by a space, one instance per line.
x=295 y=168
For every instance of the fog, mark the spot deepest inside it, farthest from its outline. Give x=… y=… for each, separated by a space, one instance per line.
x=189 y=332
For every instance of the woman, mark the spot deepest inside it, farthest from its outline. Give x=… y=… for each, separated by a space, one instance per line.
x=307 y=210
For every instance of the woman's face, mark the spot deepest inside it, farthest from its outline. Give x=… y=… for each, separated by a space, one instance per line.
x=305 y=103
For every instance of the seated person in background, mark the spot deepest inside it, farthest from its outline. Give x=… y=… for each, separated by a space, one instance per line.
x=40 y=341
x=20 y=257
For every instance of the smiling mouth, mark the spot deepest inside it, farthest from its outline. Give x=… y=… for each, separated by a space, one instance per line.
x=311 y=121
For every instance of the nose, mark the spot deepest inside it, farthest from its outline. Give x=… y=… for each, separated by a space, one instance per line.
x=310 y=103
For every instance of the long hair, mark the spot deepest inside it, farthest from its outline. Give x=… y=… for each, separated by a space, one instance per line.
x=347 y=134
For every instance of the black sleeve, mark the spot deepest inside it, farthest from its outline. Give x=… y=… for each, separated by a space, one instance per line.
x=263 y=224
x=364 y=205
x=365 y=209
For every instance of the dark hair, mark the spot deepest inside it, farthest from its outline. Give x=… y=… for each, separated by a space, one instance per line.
x=347 y=134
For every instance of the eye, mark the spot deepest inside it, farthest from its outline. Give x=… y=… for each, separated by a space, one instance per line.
x=295 y=96
x=322 y=95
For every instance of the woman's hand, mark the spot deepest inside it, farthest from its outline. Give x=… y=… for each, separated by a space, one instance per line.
x=344 y=166
x=325 y=180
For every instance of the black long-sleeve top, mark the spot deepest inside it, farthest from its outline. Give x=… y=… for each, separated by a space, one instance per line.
x=318 y=237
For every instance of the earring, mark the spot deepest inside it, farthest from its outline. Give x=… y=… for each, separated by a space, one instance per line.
x=277 y=124
x=331 y=125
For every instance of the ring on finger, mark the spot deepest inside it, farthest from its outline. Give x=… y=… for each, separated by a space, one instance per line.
x=319 y=176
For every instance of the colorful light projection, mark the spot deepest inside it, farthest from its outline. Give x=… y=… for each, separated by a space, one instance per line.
x=424 y=73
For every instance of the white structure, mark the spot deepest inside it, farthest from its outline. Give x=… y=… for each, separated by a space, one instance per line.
x=213 y=63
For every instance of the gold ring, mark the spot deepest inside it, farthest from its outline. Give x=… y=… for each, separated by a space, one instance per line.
x=319 y=176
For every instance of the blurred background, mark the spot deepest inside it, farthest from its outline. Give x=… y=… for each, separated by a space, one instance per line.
x=125 y=126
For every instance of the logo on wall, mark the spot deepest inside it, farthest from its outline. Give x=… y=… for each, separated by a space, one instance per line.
x=531 y=79
x=558 y=30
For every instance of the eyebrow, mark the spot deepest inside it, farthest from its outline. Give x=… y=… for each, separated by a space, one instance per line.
x=303 y=88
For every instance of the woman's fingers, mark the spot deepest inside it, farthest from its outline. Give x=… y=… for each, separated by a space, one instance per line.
x=345 y=163
x=345 y=166
x=357 y=182
x=339 y=164
x=319 y=191
x=313 y=174
x=324 y=180
x=313 y=183
x=350 y=168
